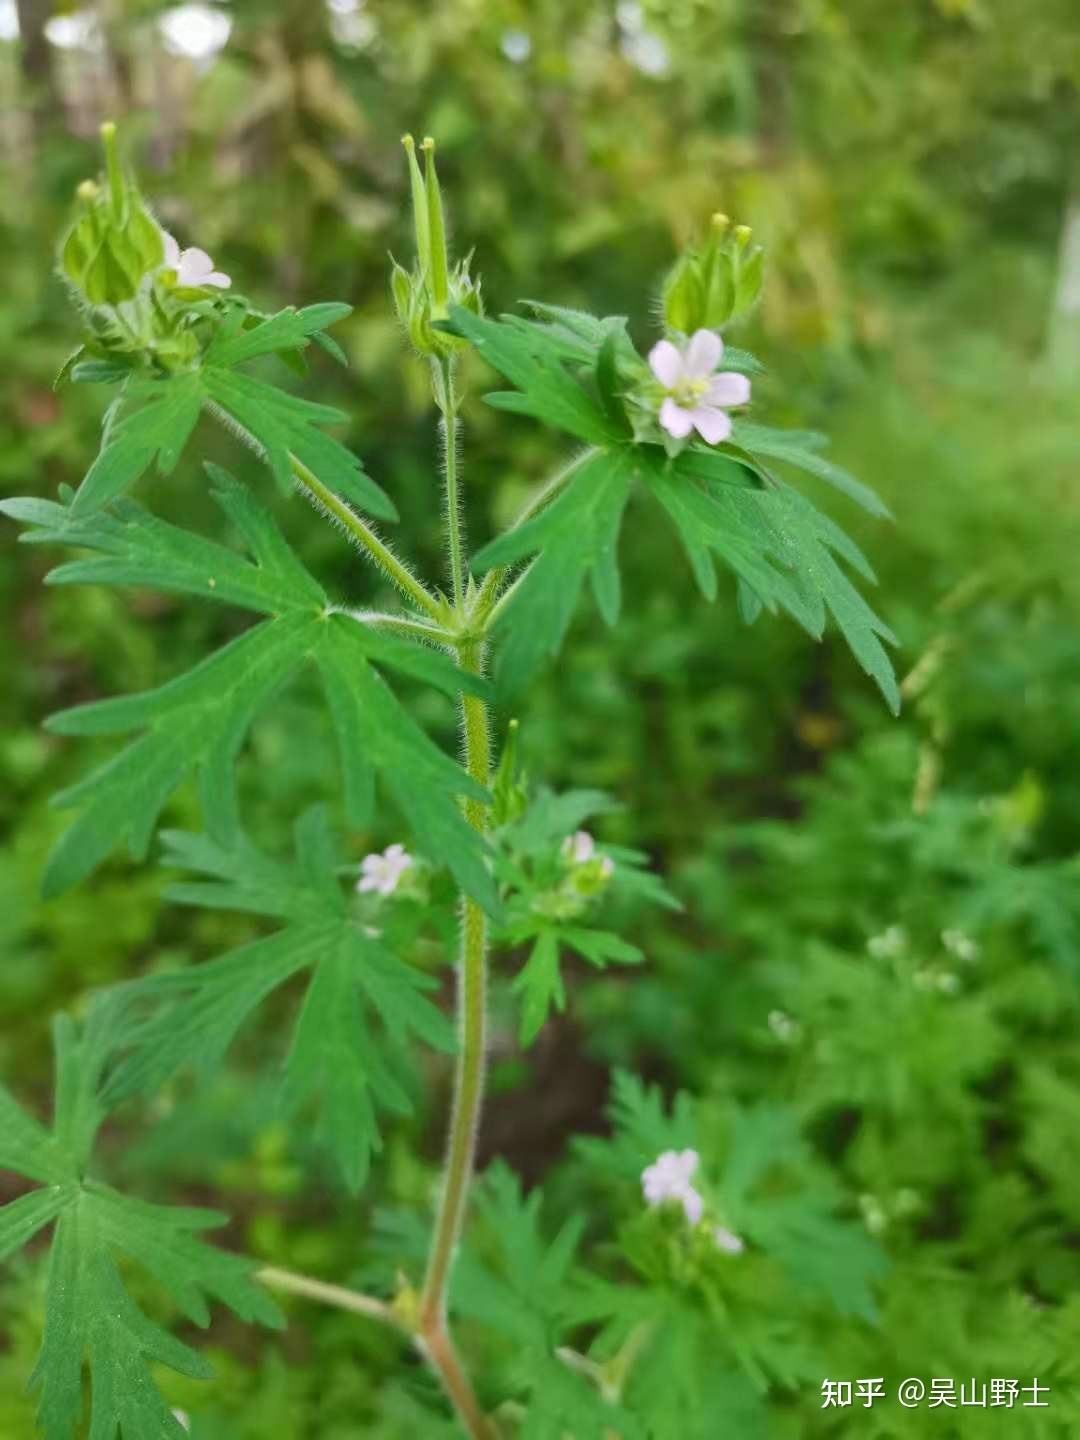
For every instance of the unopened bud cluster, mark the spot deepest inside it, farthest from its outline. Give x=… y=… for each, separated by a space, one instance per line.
x=143 y=294
x=717 y=282
x=115 y=242
x=426 y=294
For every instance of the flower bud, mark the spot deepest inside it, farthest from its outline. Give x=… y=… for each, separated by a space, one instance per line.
x=682 y=296
x=440 y=280
x=591 y=878
x=427 y=294
x=714 y=283
x=114 y=242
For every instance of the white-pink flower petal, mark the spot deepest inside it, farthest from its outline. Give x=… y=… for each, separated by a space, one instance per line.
x=703 y=354
x=728 y=1241
x=579 y=847
x=712 y=425
x=728 y=388
x=675 y=420
x=197 y=269
x=693 y=1205
x=666 y=363
x=380 y=874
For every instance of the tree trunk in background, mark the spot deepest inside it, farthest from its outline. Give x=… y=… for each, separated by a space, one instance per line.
x=44 y=105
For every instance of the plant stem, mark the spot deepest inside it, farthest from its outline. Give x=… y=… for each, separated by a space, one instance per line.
x=394 y=569
x=437 y=1349
x=472 y=990
x=472 y=1011
x=419 y=630
x=446 y=399
x=336 y=1295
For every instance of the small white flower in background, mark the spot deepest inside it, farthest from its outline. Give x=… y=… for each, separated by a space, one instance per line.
x=728 y=1241
x=580 y=848
x=193 y=267
x=947 y=982
x=873 y=1212
x=889 y=943
x=960 y=945
x=698 y=398
x=381 y=873
x=516 y=45
x=783 y=1026
x=668 y=1178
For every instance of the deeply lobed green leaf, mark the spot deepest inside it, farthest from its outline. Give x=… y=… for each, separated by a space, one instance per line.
x=363 y=1008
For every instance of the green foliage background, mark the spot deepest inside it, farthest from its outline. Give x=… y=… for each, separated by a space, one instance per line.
x=882 y=924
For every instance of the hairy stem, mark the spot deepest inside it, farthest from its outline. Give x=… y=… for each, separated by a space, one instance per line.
x=336 y=1295
x=394 y=569
x=437 y=1349
x=419 y=630
x=446 y=398
x=472 y=1012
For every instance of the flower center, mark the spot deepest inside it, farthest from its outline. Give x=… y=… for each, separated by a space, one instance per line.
x=688 y=392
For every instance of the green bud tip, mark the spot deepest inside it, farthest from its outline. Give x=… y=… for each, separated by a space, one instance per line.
x=409 y=143
x=112 y=167
x=721 y=223
x=87 y=191
x=439 y=277
x=742 y=235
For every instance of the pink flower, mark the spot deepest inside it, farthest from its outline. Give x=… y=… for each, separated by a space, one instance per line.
x=580 y=849
x=193 y=267
x=668 y=1178
x=697 y=396
x=382 y=873
x=728 y=1241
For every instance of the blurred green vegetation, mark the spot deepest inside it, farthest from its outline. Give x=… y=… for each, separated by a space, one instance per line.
x=883 y=922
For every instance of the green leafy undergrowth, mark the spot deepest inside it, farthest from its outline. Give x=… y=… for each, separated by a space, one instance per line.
x=93 y=1325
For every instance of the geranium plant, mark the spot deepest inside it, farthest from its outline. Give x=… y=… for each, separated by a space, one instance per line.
x=725 y=1234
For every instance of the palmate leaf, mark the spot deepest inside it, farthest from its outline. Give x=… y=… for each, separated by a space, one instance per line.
x=136 y=548
x=784 y=552
x=575 y=537
x=725 y=503
x=152 y=418
x=802 y=448
x=196 y=723
x=534 y=360
x=539 y=982
x=363 y=1009
x=91 y=1321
